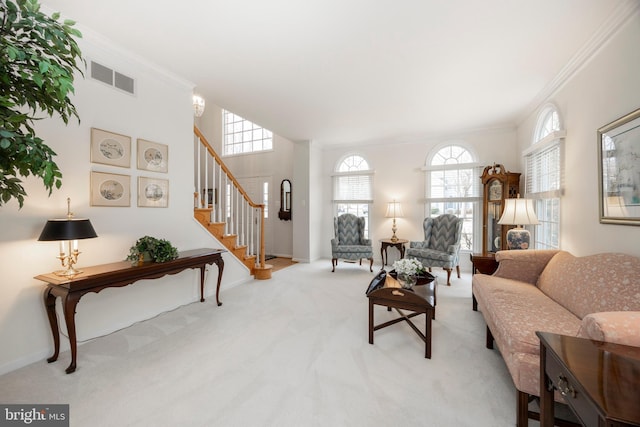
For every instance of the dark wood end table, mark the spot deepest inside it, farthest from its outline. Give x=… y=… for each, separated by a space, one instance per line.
x=484 y=263
x=398 y=244
x=421 y=299
x=600 y=382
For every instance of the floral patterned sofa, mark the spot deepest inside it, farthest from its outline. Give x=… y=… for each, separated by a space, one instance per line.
x=596 y=296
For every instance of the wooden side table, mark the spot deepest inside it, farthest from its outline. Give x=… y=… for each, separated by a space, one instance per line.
x=600 y=382
x=398 y=244
x=484 y=263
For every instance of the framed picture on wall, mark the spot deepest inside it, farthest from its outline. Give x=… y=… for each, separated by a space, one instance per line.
x=152 y=192
x=153 y=156
x=110 y=189
x=109 y=148
x=619 y=170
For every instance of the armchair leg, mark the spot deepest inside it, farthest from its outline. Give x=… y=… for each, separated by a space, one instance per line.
x=448 y=276
x=371 y=264
x=458 y=270
x=334 y=262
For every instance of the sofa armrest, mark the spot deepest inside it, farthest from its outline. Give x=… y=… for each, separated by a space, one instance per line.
x=620 y=327
x=523 y=265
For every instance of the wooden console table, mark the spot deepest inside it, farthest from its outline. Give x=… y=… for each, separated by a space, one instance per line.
x=118 y=274
x=600 y=382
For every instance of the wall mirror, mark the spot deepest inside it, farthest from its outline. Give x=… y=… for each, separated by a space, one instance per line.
x=285 y=200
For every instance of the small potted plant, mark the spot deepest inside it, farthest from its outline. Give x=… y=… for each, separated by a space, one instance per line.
x=149 y=248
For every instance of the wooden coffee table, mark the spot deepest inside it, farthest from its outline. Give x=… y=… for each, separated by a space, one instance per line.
x=421 y=299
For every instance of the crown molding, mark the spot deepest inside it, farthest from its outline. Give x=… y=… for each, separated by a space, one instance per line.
x=609 y=28
x=96 y=40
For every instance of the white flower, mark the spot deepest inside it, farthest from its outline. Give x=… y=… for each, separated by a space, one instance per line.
x=410 y=267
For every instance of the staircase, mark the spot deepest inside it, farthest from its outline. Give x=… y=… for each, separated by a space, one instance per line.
x=224 y=208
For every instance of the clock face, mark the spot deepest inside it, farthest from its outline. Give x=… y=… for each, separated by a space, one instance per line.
x=495 y=190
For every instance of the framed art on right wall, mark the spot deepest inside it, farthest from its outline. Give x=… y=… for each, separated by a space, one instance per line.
x=619 y=170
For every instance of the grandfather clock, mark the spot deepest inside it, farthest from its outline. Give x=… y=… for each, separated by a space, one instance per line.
x=499 y=184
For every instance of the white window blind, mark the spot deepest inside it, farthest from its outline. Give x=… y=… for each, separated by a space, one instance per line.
x=454 y=183
x=355 y=188
x=543 y=174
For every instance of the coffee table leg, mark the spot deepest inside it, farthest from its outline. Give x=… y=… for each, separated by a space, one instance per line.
x=427 y=344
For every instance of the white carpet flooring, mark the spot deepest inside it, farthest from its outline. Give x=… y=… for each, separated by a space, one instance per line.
x=290 y=351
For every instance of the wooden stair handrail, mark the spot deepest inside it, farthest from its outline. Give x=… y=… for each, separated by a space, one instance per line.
x=224 y=167
x=226 y=170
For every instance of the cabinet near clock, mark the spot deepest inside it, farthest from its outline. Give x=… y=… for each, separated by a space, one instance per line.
x=499 y=184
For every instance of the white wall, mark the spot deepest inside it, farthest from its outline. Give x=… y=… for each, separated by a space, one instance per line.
x=398 y=176
x=605 y=89
x=160 y=111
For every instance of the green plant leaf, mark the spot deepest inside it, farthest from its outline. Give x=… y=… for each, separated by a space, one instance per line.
x=37 y=66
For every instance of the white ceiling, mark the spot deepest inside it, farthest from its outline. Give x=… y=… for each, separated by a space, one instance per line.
x=348 y=71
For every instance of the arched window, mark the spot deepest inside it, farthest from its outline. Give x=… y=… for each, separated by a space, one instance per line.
x=452 y=184
x=353 y=187
x=543 y=177
x=548 y=122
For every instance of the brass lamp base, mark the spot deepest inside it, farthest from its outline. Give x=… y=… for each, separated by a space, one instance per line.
x=69 y=272
x=394 y=238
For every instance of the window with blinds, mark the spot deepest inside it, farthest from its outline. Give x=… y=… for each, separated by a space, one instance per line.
x=353 y=188
x=543 y=177
x=452 y=185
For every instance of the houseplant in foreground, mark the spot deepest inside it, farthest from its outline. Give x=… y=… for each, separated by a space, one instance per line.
x=38 y=59
x=149 y=248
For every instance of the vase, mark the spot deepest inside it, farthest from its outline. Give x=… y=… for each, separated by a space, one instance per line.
x=407 y=281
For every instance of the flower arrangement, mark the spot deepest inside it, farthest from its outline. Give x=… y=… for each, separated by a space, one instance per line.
x=409 y=267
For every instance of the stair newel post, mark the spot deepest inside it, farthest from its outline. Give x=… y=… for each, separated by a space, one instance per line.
x=262 y=236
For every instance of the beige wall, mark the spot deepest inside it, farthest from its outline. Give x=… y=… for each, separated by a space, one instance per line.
x=605 y=89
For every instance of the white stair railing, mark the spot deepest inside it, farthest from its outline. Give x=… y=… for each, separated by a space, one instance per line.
x=217 y=188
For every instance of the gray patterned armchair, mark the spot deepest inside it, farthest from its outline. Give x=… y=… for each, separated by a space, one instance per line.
x=349 y=242
x=441 y=245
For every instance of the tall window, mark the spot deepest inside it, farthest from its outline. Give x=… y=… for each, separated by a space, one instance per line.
x=543 y=177
x=453 y=186
x=243 y=136
x=353 y=188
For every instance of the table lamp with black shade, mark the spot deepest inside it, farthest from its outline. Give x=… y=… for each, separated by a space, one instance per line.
x=68 y=230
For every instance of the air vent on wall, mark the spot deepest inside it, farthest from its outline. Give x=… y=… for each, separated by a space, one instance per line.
x=112 y=78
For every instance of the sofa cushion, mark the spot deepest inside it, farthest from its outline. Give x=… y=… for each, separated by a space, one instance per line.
x=595 y=283
x=525 y=266
x=620 y=327
x=515 y=310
